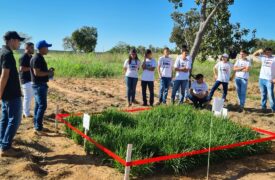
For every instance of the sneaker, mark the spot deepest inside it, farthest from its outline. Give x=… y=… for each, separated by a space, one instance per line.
x=264 y=110
x=158 y=103
x=39 y=133
x=25 y=116
x=144 y=104
x=12 y=152
x=240 y=109
x=135 y=102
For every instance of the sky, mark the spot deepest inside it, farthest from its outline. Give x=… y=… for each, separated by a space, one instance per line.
x=136 y=22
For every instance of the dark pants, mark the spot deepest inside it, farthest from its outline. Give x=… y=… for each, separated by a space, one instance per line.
x=10 y=121
x=40 y=96
x=165 y=83
x=198 y=102
x=150 y=85
x=215 y=87
x=131 y=84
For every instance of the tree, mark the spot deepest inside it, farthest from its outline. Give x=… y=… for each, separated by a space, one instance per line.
x=200 y=20
x=264 y=43
x=83 y=40
x=69 y=44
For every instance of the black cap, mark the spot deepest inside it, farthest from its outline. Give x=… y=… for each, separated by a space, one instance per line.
x=13 y=35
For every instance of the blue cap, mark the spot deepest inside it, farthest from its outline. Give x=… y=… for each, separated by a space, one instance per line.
x=42 y=44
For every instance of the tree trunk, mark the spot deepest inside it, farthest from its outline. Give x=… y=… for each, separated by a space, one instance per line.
x=200 y=33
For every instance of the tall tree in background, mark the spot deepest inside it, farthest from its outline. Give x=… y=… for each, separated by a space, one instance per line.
x=208 y=31
x=69 y=44
x=83 y=40
x=203 y=17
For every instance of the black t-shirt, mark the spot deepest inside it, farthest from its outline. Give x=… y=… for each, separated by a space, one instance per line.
x=38 y=62
x=7 y=61
x=25 y=77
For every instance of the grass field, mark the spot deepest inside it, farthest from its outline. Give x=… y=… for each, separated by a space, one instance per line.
x=164 y=131
x=110 y=65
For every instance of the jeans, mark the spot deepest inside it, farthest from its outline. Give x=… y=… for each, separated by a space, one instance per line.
x=267 y=90
x=215 y=87
x=131 y=84
x=10 y=121
x=150 y=85
x=40 y=96
x=182 y=84
x=163 y=90
x=28 y=95
x=187 y=90
x=241 y=86
x=198 y=102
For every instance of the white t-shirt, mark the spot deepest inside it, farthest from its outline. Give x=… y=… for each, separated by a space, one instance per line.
x=166 y=66
x=149 y=75
x=132 y=69
x=199 y=88
x=180 y=63
x=224 y=71
x=242 y=63
x=268 y=68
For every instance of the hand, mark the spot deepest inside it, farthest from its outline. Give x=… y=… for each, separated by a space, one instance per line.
x=215 y=77
x=273 y=81
x=51 y=74
x=260 y=51
x=51 y=69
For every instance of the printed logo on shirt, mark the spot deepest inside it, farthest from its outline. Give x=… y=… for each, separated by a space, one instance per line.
x=268 y=62
x=166 y=64
x=133 y=67
x=148 y=65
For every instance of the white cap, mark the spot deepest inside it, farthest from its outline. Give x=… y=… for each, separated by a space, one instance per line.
x=225 y=55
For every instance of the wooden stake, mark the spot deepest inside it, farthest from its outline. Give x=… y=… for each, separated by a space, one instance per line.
x=128 y=159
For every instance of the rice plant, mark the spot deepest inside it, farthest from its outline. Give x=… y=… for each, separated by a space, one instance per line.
x=164 y=131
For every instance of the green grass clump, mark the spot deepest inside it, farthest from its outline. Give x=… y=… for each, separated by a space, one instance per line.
x=164 y=131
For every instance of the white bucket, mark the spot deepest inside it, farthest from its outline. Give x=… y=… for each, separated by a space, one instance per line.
x=217 y=104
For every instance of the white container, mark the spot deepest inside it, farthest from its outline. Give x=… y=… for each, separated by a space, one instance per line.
x=218 y=104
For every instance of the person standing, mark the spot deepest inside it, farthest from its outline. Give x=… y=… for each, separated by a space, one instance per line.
x=40 y=75
x=148 y=77
x=267 y=77
x=10 y=94
x=182 y=67
x=242 y=67
x=25 y=78
x=131 y=67
x=165 y=69
x=223 y=68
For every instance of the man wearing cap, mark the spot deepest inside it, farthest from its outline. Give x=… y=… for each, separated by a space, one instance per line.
x=224 y=69
x=10 y=94
x=40 y=76
x=25 y=78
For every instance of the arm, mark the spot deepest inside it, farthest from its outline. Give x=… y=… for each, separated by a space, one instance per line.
x=159 y=72
x=246 y=69
x=215 y=73
x=24 y=69
x=258 y=53
x=144 y=65
x=3 y=80
x=37 y=72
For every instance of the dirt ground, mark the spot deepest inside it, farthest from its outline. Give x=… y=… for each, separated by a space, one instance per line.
x=54 y=156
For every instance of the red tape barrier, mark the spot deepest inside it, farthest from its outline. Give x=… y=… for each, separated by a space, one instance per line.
x=271 y=136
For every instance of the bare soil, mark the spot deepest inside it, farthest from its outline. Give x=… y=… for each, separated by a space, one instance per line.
x=53 y=156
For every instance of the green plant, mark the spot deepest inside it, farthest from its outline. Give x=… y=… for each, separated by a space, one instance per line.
x=164 y=131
